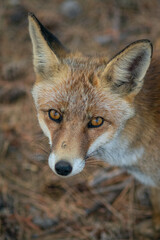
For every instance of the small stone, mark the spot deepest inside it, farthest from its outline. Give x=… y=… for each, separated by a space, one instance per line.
x=45 y=223
x=71 y=9
x=104 y=39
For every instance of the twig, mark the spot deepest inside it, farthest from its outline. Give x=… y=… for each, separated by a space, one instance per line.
x=112 y=188
x=101 y=178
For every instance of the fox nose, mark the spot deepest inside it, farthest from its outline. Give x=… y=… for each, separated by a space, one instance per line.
x=63 y=168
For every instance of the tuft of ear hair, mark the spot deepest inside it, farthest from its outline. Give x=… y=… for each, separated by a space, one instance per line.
x=125 y=72
x=47 y=49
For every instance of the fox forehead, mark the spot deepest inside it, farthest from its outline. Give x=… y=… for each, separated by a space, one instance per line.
x=76 y=95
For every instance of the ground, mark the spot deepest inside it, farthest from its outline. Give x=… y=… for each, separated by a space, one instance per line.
x=102 y=203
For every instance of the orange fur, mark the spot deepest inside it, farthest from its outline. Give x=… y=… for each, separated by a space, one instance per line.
x=81 y=88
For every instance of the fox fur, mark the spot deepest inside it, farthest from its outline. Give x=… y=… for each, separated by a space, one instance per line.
x=124 y=91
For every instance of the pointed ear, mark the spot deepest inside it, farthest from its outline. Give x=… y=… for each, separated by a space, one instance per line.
x=125 y=72
x=47 y=49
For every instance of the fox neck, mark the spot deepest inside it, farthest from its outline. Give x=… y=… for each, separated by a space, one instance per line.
x=129 y=152
x=121 y=151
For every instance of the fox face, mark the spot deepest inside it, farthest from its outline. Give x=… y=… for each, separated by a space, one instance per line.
x=83 y=103
x=78 y=118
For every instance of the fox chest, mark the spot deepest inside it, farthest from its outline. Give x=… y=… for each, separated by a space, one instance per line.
x=117 y=155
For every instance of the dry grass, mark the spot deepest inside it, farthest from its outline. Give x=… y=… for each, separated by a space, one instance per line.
x=102 y=203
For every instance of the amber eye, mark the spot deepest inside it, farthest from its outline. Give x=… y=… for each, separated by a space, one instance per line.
x=55 y=116
x=96 y=122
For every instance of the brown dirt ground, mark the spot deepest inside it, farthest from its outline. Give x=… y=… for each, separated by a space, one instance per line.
x=34 y=203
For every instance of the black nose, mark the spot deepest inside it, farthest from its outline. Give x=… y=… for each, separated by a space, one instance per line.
x=63 y=168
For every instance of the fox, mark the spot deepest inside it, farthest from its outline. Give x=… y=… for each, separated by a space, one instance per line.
x=98 y=107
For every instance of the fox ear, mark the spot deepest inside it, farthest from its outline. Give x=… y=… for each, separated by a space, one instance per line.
x=47 y=49
x=125 y=72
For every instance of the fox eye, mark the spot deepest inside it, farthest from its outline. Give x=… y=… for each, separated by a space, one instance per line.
x=96 y=122
x=55 y=116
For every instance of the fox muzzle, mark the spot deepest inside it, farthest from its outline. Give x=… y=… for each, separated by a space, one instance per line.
x=65 y=168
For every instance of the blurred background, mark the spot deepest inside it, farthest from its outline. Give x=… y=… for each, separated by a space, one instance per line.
x=102 y=203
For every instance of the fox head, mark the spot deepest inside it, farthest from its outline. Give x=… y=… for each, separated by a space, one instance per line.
x=83 y=102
